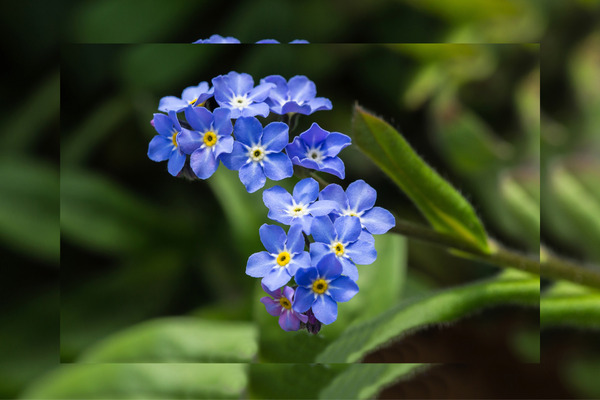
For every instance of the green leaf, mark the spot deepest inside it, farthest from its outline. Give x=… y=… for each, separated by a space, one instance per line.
x=380 y=285
x=524 y=208
x=511 y=287
x=142 y=381
x=569 y=304
x=29 y=203
x=442 y=205
x=176 y=340
x=365 y=381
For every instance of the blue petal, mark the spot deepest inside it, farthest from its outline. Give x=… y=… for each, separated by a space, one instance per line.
x=163 y=125
x=275 y=136
x=314 y=135
x=306 y=191
x=261 y=92
x=348 y=229
x=223 y=93
x=329 y=267
x=194 y=92
x=254 y=109
x=293 y=107
x=301 y=89
x=348 y=268
x=335 y=193
x=296 y=149
x=160 y=148
x=322 y=207
x=278 y=201
x=325 y=309
x=273 y=306
x=276 y=278
x=343 y=289
x=252 y=176
x=288 y=321
x=222 y=121
x=322 y=230
x=223 y=146
x=199 y=118
x=299 y=41
x=248 y=130
x=361 y=196
x=259 y=264
x=176 y=162
x=361 y=252
x=333 y=166
x=319 y=104
x=318 y=251
x=189 y=141
x=378 y=220
x=203 y=163
x=169 y=103
x=267 y=41
x=301 y=260
x=305 y=277
x=334 y=143
x=272 y=237
x=365 y=235
x=277 y=166
x=303 y=299
x=237 y=158
x=305 y=221
x=276 y=294
x=240 y=83
x=295 y=239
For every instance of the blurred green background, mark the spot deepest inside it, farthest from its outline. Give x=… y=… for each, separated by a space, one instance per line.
x=137 y=244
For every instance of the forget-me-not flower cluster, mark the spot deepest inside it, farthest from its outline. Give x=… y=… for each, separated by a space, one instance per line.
x=310 y=267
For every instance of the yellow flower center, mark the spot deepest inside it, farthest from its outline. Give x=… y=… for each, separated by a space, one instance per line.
x=319 y=286
x=192 y=101
x=283 y=258
x=173 y=139
x=257 y=153
x=285 y=303
x=338 y=248
x=210 y=138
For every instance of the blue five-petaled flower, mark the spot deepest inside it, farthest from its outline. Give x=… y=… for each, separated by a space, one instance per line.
x=318 y=149
x=258 y=153
x=298 y=95
x=237 y=93
x=191 y=96
x=281 y=306
x=165 y=145
x=321 y=288
x=300 y=207
x=284 y=255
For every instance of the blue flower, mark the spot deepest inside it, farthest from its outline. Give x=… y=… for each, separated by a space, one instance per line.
x=299 y=208
x=321 y=288
x=257 y=153
x=267 y=41
x=342 y=239
x=165 y=146
x=210 y=138
x=193 y=95
x=318 y=149
x=295 y=96
x=237 y=93
x=281 y=306
x=217 y=39
x=299 y=41
x=358 y=201
x=284 y=255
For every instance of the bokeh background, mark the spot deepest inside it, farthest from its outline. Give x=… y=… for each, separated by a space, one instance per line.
x=137 y=244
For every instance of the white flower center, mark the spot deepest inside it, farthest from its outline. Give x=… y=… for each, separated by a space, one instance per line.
x=256 y=153
x=297 y=210
x=352 y=213
x=240 y=102
x=315 y=155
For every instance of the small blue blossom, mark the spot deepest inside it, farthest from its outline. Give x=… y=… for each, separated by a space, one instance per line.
x=284 y=255
x=318 y=149
x=217 y=39
x=237 y=93
x=258 y=154
x=295 y=96
x=281 y=306
x=358 y=201
x=267 y=41
x=341 y=238
x=165 y=145
x=320 y=288
x=210 y=138
x=300 y=207
x=193 y=95
x=299 y=41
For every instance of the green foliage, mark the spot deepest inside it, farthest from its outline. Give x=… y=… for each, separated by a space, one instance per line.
x=441 y=204
x=177 y=340
x=365 y=381
x=569 y=304
x=142 y=381
x=440 y=307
